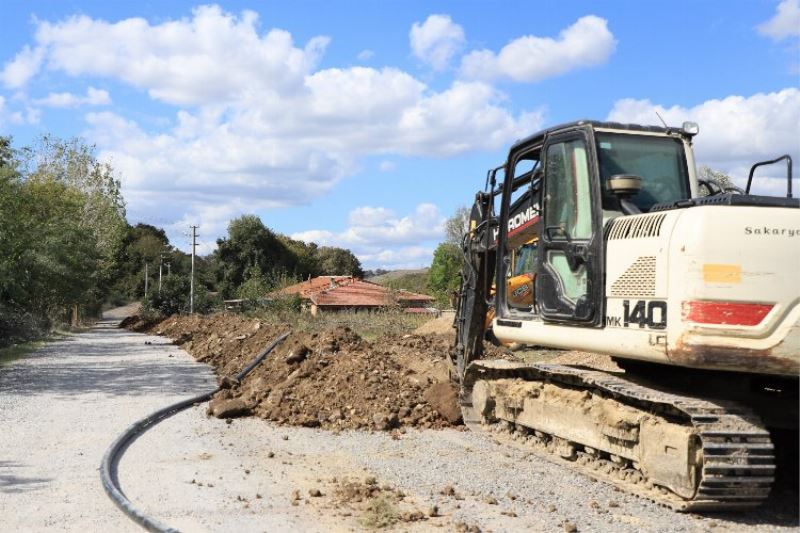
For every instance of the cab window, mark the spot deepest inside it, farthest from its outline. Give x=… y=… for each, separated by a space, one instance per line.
x=659 y=161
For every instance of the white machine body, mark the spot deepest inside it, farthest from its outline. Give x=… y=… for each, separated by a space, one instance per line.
x=713 y=287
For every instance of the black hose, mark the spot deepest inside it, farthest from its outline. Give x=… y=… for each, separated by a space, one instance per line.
x=111 y=459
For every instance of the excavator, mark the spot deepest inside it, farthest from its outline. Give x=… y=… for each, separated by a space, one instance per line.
x=690 y=287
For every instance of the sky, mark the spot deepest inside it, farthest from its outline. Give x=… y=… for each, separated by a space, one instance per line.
x=366 y=124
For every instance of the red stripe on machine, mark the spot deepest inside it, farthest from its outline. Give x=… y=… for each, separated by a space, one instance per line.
x=527 y=224
x=725 y=313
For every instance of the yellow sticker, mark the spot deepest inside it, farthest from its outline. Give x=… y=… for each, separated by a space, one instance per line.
x=722 y=273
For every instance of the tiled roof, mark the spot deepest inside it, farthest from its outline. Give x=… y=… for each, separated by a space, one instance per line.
x=413 y=297
x=346 y=291
x=356 y=294
x=306 y=288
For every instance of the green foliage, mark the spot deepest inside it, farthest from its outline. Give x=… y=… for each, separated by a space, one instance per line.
x=142 y=244
x=413 y=281
x=62 y=219
x=204 y=301
x=334 y=261
x=251 y=245
x=444 y=275
x=375 y=273
x=173 y=297
x=255 y=286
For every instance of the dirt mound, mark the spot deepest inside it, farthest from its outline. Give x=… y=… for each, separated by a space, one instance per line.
x=138 y=323
x=590 y=360
x=438 y=326
x=332 y=378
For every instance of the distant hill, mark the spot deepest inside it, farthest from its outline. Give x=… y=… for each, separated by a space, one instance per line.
x=394 y=274
x=411 y=280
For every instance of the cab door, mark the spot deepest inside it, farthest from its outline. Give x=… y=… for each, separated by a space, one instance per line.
x=568 y=287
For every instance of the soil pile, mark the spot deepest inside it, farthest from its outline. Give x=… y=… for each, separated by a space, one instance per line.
x=438 y=326
x=332 y=378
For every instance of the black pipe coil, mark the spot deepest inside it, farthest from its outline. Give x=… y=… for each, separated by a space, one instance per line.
x=110 y=464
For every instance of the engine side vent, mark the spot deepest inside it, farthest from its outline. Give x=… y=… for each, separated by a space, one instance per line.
x=636 y=227
x=639 y=280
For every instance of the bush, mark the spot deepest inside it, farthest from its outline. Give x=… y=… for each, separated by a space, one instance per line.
x=17 y=325
x=174 y=297
x=444 y=276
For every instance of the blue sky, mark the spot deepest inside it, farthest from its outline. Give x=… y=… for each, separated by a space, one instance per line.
x=365 y=125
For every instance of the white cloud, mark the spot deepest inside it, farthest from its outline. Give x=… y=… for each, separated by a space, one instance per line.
x=735 y=131
x=588 y=42
x=365 y=55
x=210 y=58
x=401 y=258
x=255 y=122
x=785 y=23
x=386 y=166
x=380 y=238
x=436 y=40
x=23 y=67
x=94 y=97
x=28 y=115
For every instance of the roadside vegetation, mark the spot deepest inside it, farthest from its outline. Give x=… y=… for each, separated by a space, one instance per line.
x=62 y=217
x=11 y=353
x=67 y=250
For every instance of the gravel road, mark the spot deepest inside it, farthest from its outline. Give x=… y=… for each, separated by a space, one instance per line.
x=62 y=406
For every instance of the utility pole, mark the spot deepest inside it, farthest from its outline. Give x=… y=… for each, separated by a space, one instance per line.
x=145 y=280
x=160 y=264
x=191 y=283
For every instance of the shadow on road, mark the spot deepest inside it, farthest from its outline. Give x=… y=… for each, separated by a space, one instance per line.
x=12 y=483
x=105 y=361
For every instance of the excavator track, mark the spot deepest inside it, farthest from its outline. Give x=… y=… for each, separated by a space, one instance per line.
x=732 y=465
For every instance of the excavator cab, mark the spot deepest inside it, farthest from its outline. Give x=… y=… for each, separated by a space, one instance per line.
x=557 y=189
x=576 y=169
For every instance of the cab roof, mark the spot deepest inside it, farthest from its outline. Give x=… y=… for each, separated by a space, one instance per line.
x=594 y=124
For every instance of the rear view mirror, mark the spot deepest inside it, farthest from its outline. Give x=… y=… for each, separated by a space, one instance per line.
x=625 y=185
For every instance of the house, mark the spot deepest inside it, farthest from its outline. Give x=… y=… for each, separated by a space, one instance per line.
x=337 y=293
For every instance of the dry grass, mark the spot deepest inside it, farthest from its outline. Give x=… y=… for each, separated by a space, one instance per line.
x=381 y=512
x=367 y=324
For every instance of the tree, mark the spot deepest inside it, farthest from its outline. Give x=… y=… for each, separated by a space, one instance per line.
x=444 y=275
x=718 y=178
x=13 y=236
x=173 y=297
x=255 y=286
x=250 y=243
x=306 y=262
x=338 y=261
x=143 y=243
x=457 y=226
x=278 y=258
x=73 y=163
x=61 y=227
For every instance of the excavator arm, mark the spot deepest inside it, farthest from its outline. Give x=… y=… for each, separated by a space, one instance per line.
x=477 y=275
